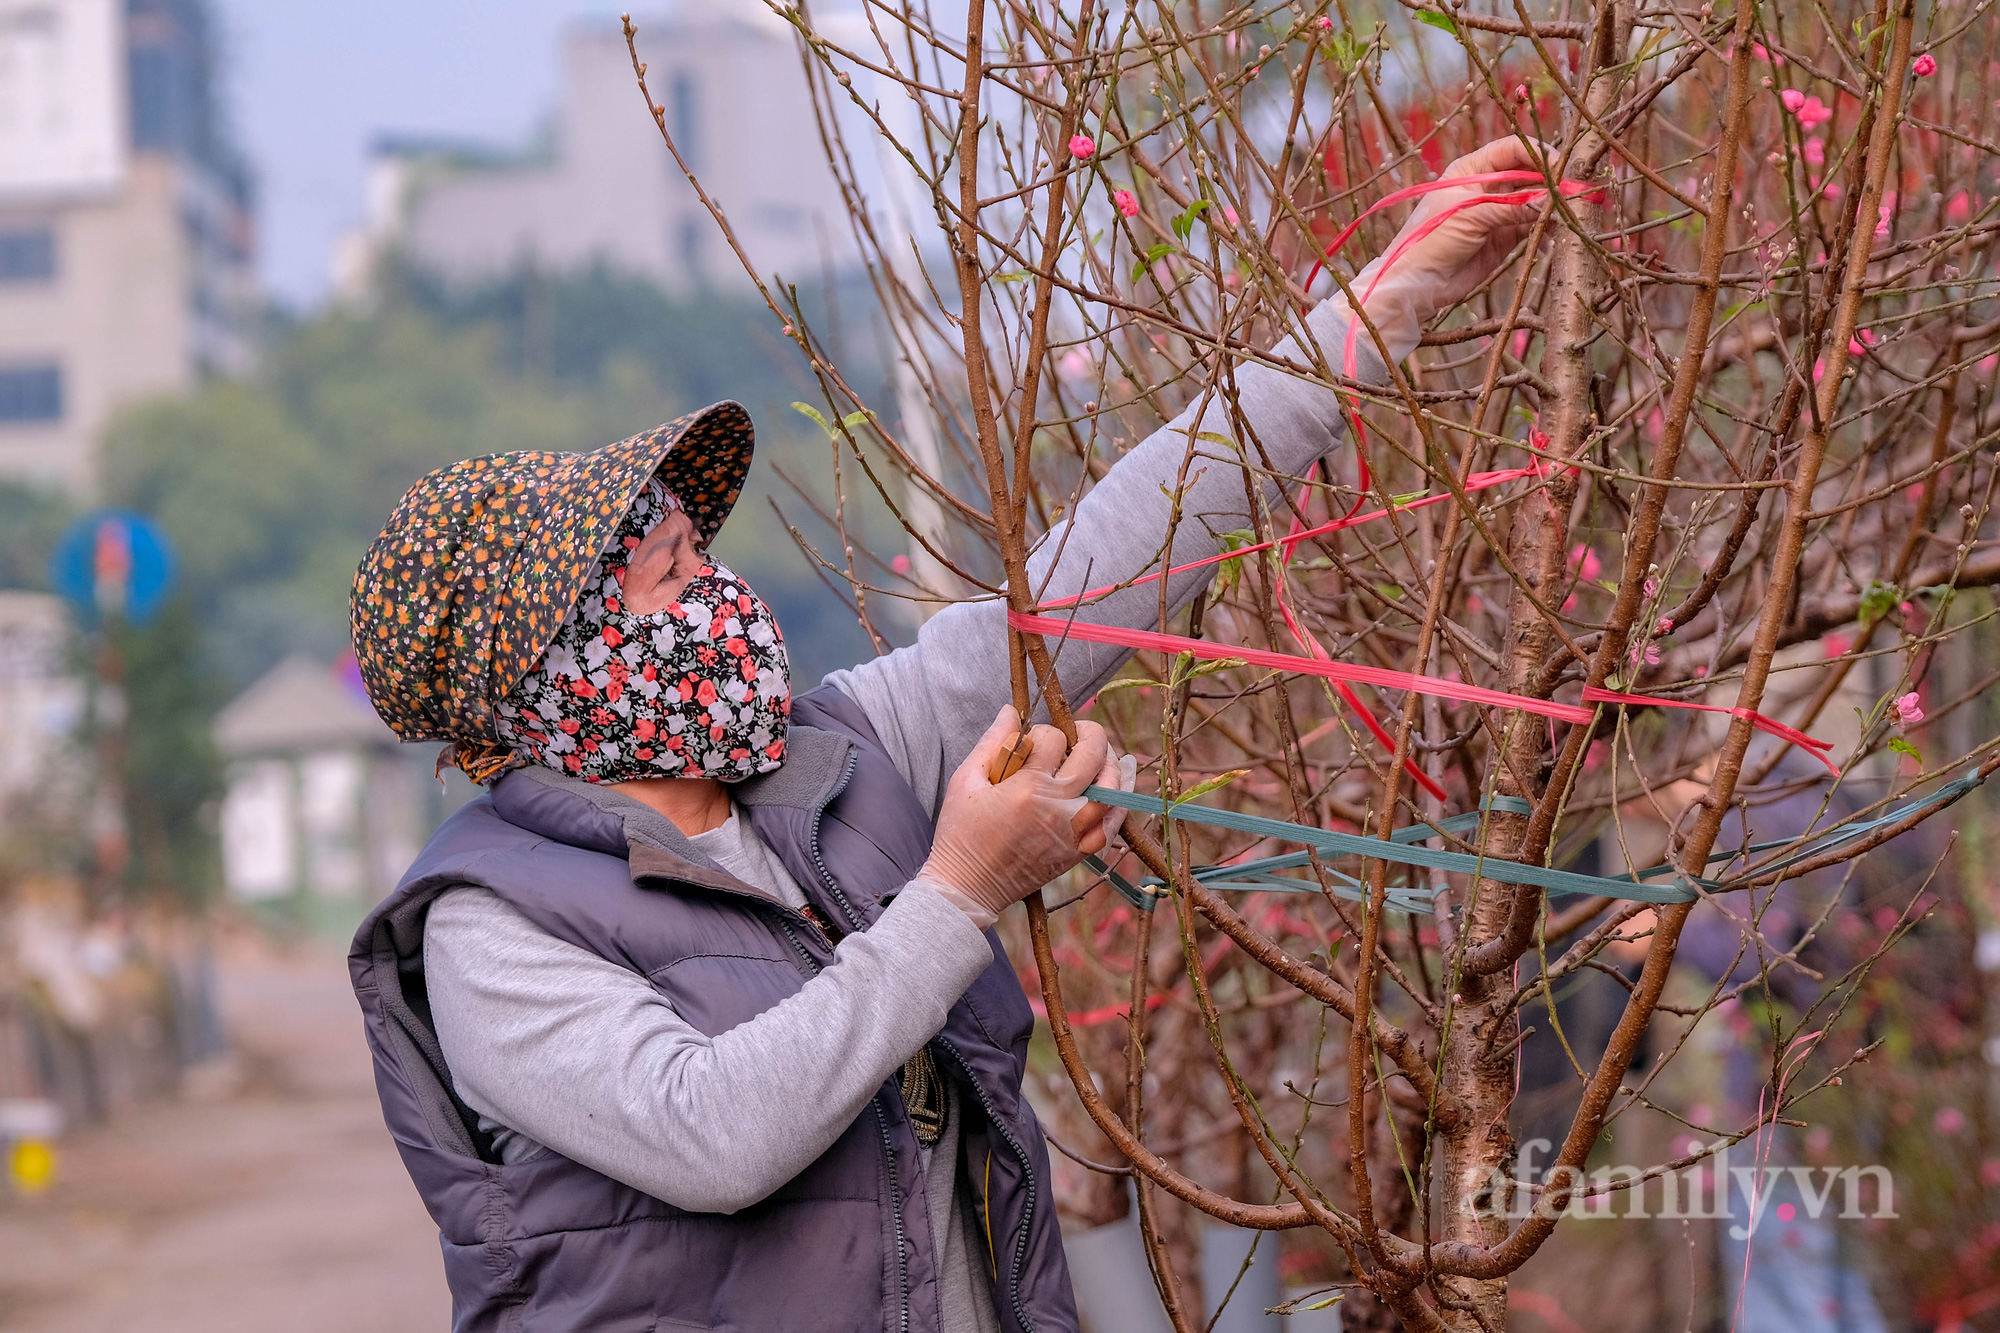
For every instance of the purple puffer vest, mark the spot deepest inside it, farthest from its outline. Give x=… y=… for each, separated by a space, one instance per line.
x=548 y=1245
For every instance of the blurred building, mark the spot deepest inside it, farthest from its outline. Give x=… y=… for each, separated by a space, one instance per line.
x=125 y=226
x=604 y=188
x=322 y=801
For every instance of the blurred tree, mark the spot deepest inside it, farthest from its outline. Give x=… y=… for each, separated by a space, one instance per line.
x=271 y=488
x=31 y=519
x=172 y=775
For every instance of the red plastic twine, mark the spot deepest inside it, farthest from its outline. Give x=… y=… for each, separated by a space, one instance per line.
x=1208 y=649
x=1769 y=726
x=1386 y=678
x=1316 y=661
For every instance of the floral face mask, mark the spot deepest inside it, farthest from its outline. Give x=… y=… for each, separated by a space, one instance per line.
x=701 y=689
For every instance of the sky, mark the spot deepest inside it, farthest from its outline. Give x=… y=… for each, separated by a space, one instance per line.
x=310 y=83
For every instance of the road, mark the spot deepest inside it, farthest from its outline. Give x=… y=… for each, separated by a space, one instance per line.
x=268 y=1197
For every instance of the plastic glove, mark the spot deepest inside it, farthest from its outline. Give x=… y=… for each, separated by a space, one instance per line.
x=1122 y=774
x=997 y=843
x=1437 y=272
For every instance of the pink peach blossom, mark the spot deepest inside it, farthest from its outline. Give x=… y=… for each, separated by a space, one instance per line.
x=1924 y=65
x=1323 y=23
x=1126 y=203
x=1082 y=146
x=1587 y=565
x=1810 y=111
x=1835 y=645
x=1883 y=215
x=1909 y=709
x=1949 y=1119
x=1815 y=151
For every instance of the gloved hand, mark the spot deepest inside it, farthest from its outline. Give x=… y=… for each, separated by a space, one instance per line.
x=997 y=843
x=1436 y=273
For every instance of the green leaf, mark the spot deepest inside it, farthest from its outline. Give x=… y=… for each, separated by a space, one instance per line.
x=1125 y=683
x=1441 y=21
x=1204 y=788
x=1231 y=571
x=1218 y=664
x=1014 y=275
x=807 y=409
x=1186 y=668
x=1328 y=1303
x=848 y=422
x=1154 y=253
x=1878 y=599
x=1901 y=746
x=1214 y=437
x=1183 y=223
x=1343 y=50
x=1390 y=591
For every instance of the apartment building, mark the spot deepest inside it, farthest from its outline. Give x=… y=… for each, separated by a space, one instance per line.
x=126 y=239
x=602 y=187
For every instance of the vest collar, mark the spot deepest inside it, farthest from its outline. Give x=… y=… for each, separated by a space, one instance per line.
x=602 y=819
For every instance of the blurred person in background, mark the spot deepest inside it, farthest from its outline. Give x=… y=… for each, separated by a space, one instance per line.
x=695 y=1019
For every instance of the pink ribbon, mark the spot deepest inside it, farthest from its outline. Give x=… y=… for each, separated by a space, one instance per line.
x=1478 y=481
x=1769 y=726
x=1383 y=677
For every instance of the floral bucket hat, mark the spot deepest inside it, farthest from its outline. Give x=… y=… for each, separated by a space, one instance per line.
x=468 y=584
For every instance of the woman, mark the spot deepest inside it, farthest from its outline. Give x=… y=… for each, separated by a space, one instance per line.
x=695 y=1020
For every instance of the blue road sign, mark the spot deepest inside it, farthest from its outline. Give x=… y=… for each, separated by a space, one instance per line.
x=113 y=563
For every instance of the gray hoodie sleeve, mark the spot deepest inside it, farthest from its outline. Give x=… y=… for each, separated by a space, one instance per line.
x=584 y=1056
x=930 y=701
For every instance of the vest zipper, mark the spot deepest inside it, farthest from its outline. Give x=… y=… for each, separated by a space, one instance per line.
x=833 y=889
x=812 y=964
x=819 y=862
x=1027 y=1172
x=896 y=1214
